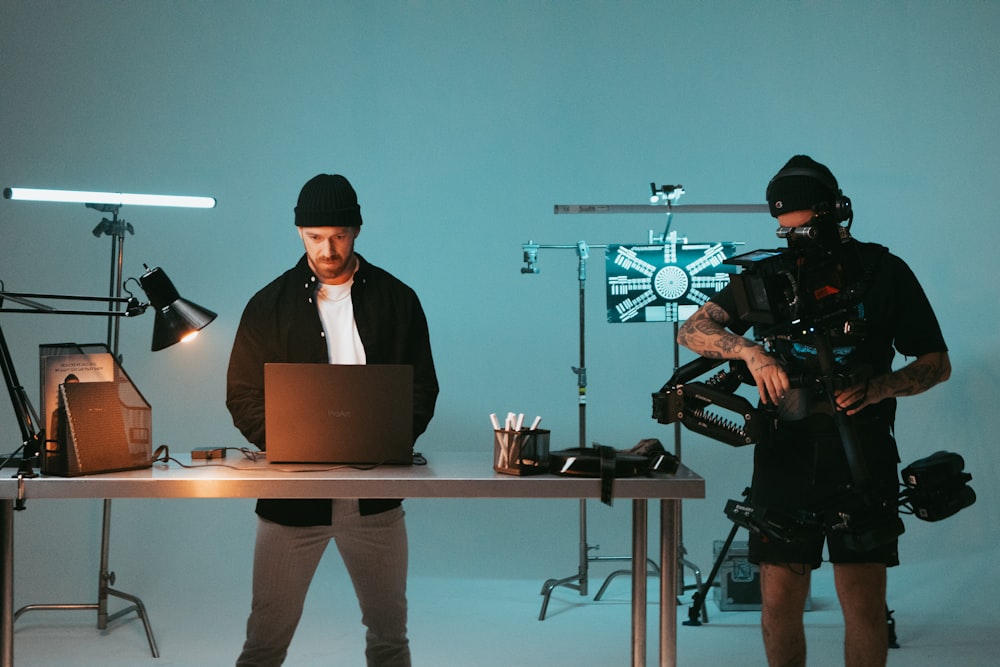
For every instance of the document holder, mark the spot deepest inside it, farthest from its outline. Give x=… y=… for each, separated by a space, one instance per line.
x=97 y=420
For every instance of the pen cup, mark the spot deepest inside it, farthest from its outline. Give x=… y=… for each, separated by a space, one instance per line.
x=524 y=452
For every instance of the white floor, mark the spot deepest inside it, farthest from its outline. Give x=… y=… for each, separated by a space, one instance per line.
x=494 y=623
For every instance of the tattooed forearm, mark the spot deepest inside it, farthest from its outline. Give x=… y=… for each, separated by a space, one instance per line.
x=916 y=377
x=705 y=333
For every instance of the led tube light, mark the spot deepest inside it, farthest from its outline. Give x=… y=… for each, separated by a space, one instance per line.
x=110 y=198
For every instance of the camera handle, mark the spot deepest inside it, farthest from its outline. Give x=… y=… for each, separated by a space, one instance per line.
x=845 y=426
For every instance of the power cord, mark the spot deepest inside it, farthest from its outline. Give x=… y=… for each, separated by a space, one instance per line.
x=162 y=455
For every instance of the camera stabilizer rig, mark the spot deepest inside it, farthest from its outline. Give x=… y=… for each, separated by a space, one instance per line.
x=682 y=400
x=808 y=295
x=800 y=295
x=933 y=488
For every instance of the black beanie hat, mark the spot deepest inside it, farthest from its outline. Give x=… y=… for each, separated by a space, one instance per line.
x=800 y=185
x=328 y=200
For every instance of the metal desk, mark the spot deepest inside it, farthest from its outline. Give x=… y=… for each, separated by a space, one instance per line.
x=449 y=475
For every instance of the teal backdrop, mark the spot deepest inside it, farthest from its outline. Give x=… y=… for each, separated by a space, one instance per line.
x=461 y=124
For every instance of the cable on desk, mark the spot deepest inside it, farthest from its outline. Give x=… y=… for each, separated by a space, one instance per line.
x=162 y=455
x=418 y=460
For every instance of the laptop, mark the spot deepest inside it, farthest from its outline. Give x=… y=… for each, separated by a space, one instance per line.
x=339 y=414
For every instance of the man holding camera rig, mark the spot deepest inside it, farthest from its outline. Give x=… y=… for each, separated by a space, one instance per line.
x=822 y=362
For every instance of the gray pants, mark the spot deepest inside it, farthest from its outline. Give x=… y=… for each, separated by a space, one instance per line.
x=374 y=550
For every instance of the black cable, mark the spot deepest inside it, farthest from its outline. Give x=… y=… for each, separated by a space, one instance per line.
x=162 y=455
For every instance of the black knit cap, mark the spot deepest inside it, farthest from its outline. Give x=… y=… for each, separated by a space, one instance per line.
x=800 y=185
x=328 y=200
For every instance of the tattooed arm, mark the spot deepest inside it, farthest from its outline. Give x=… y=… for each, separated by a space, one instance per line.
x=705 y=333
x=916 y=377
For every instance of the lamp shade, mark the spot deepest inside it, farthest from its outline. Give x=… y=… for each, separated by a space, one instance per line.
x=175 y=318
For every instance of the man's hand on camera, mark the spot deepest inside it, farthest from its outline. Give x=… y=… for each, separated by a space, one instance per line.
x=856 y=398
x=914 y=378
x=771 y=379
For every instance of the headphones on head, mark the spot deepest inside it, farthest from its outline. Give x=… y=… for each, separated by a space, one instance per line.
x=839 y=207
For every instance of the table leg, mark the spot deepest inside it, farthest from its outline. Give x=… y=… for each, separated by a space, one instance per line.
x=7 y=583
x=669 y=539
x=639 y=549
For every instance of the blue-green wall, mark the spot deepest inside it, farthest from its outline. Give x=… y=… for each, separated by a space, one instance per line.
x=461 y=124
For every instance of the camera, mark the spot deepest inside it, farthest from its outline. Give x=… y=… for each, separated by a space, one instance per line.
x=794 y=292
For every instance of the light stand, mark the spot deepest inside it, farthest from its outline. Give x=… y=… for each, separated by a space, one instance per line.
x=663 y=199
x=580 y=580
x=170 y=310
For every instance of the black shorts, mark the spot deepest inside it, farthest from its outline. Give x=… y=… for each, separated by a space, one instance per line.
x=802 y=484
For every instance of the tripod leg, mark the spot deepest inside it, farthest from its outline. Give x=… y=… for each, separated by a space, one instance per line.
x=577 y=581
x=697 y=583
x=891 y=626
x=107 y=579
x=699 y=597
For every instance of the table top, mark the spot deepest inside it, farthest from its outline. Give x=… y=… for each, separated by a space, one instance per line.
x=447 y=475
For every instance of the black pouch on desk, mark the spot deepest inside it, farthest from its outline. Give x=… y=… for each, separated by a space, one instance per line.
x=607 y=463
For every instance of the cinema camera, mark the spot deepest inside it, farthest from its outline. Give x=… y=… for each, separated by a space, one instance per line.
x=800 y=291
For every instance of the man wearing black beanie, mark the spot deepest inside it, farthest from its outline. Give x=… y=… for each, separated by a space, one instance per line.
x=335 y=307
x=852 y=306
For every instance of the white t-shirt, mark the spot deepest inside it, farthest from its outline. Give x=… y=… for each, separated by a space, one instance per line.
x=336 y=311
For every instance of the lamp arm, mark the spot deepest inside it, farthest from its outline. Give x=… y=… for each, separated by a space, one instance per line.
x=176 y=318
x=23 y=410
x=30 y=303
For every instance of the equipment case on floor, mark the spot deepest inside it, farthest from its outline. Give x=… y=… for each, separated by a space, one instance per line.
x=739 y=580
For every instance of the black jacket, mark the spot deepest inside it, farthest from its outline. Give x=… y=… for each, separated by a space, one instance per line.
x=281 y=324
